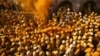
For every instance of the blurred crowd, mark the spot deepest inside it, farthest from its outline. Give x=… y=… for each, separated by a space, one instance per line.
x=65 y=34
